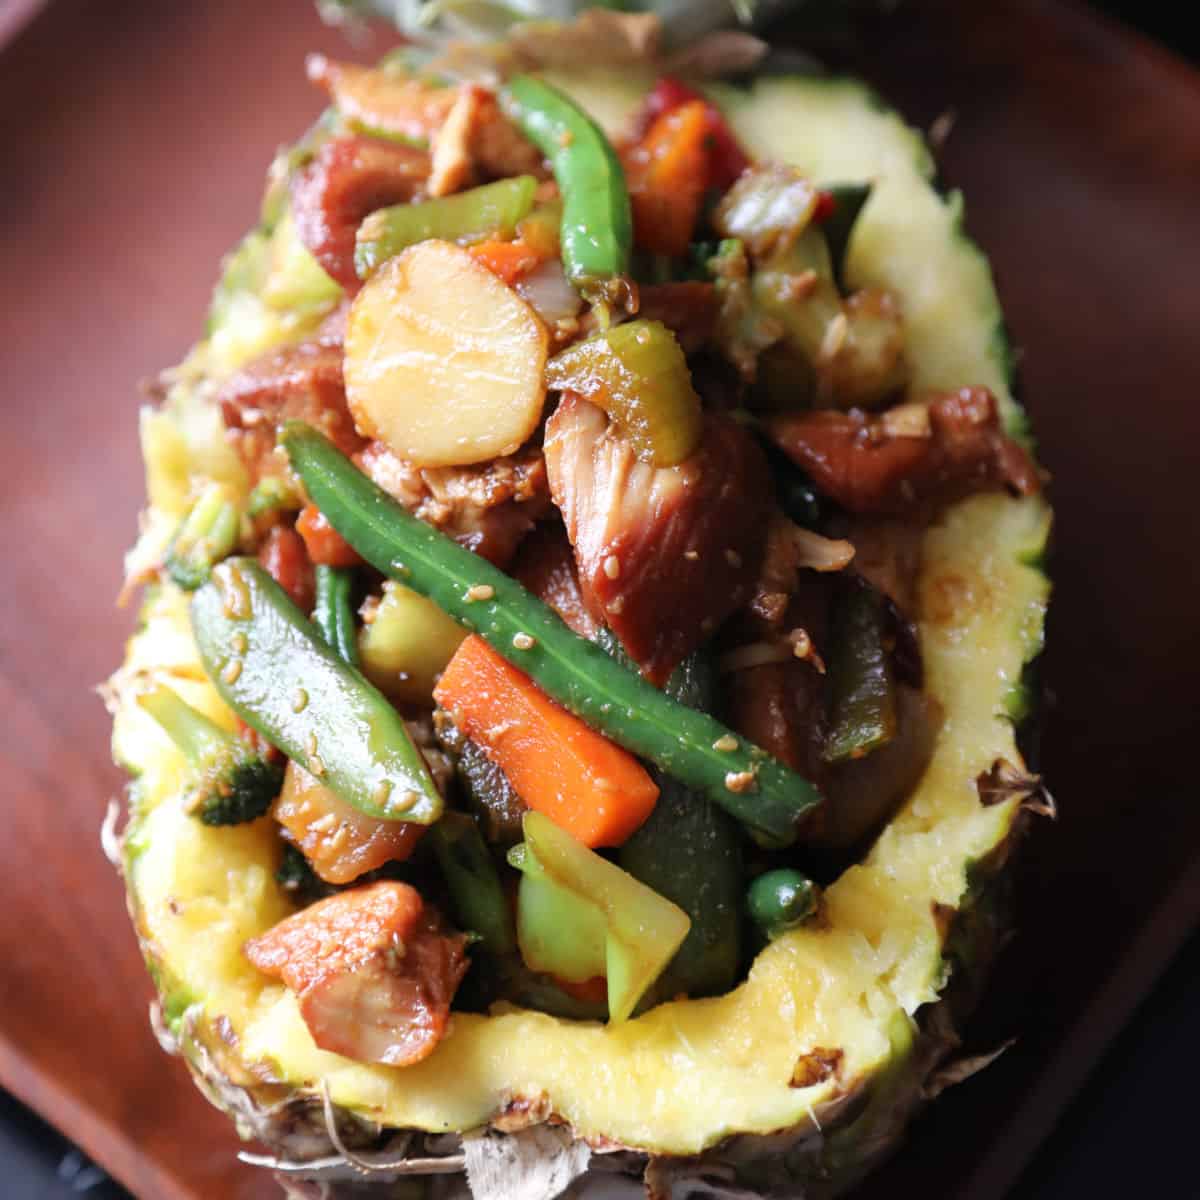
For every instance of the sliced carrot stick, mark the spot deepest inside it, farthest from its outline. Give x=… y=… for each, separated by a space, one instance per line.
x=584 y=783
x=666 y=174
x=507 y=260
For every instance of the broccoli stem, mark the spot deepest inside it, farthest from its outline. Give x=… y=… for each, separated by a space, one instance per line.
x=231 y=783
x=205 y=536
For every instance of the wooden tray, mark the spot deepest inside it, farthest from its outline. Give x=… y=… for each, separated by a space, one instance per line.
x=132 y=144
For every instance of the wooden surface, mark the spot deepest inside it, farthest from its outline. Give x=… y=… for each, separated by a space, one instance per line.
x=133 y=137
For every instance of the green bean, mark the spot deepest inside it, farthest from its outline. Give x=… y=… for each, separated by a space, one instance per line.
x=743 y=779
x=597 y=223
x=334 y=613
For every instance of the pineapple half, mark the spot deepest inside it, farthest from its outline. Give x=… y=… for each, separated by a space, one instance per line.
x=800 y=1078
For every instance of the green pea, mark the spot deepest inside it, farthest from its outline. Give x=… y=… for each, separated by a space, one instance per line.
x=781 y=900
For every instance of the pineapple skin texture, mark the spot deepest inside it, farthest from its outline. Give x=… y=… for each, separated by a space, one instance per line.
x=838 y=1024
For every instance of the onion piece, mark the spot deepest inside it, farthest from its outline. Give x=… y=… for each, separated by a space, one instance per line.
x=548 y=293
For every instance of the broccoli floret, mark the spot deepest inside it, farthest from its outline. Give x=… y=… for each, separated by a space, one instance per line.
x=205 y=536
x=296 y=876
x=232 y=782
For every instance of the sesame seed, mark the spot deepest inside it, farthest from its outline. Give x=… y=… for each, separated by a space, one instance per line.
x=235 y=595
x=726 y=743
x=383 y=789
x=323 y=824
x=310 y=744
x=523 y=641
x=316 y=765
x=834 y=339
x=240 y=643
x=233 y=669
x=403 y=802
x=612 y=566
x=479 y=591
x=299 y=701
x=740 y=781
x=692 y=555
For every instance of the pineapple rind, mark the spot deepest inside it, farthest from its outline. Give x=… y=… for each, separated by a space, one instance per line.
x=687 y=1075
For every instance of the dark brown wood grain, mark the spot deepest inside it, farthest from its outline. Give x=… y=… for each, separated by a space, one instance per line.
x=133 y=137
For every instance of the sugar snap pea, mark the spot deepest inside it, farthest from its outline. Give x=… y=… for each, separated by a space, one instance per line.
x=272 y=667
x=597 y=224
x=698 y=750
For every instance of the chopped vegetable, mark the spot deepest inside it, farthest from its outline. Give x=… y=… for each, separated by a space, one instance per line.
x=666 y=172
x=479 y=901
x=597 y=226
x=750 y=785
x=781 y=900
x=509 y=261
x=579 y=916
x=206 y=535
x=406 y=645
x=726 y=160
x=862 y=793
x=855 y=346
x=767 y=208
x=557 y=765
x=340 y=842
x=443 y=361
x=689 y=851
x=491 y=210
x=373 y=970
x=273 y=669
x=334 y=613
x=863 y=708
x=326 y=547
x=491 y=798
x=231 y=781
x=272 y=495
x=637 y=373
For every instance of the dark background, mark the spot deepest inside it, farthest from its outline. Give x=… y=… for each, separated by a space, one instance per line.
x=1127 y=1132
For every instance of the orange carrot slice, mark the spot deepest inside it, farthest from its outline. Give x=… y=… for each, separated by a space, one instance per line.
x=508 y=261
x=666 y=174
x=584 y=783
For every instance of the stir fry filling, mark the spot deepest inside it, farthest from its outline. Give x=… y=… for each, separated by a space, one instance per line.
x=566 y=619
